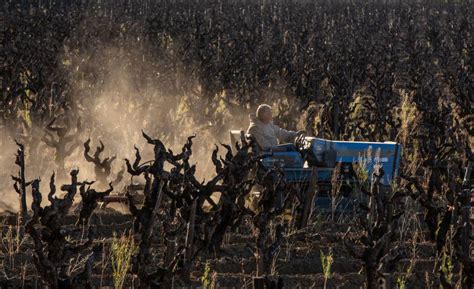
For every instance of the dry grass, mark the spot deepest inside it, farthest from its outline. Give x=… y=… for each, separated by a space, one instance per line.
x=122 y=250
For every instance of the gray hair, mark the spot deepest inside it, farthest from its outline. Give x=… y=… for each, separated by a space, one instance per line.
x=261 y=109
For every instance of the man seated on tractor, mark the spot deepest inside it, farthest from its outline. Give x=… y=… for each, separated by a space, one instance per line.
x=268 y=136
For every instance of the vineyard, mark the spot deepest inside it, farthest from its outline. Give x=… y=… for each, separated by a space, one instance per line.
x=117 y=170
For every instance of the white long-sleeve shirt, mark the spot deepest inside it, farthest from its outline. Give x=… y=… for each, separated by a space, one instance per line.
x=269 y=135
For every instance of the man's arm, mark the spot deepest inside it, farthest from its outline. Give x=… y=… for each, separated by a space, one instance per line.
x=284 y=135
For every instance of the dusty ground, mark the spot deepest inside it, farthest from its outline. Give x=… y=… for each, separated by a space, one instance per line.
x=298 y=262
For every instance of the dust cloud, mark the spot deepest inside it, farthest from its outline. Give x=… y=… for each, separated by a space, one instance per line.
x=120 y=89
x=115 y=109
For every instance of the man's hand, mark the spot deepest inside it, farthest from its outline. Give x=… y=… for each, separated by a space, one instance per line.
x=300 y=133
x=299 y=139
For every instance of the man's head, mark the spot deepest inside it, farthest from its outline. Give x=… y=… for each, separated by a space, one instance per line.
x=264 y=113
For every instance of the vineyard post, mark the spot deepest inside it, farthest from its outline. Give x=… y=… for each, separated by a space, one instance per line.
x=308 y=204
x=189 y=244
x=190 y=231
x=21 y=158
x=21 y=180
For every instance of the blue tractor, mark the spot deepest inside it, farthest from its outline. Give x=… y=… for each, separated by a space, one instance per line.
x=317 y=162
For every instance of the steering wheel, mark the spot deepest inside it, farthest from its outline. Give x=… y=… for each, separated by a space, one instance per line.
x=299 y=140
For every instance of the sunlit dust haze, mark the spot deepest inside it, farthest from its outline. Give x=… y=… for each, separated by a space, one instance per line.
x=118 y=88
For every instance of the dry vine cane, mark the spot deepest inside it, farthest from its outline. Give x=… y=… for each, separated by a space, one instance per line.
x=270 y=206
x=52 y=250
x=463 y=229
x=463 y=238
x=177 y=197
x=102 y=168
x=233 y=171
x=145 y=218
x=62 y=139
x=378 y=222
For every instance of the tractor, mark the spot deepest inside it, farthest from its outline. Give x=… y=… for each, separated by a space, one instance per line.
x=322 y=163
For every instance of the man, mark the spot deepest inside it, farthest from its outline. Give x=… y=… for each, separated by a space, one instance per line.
x=267 y=135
